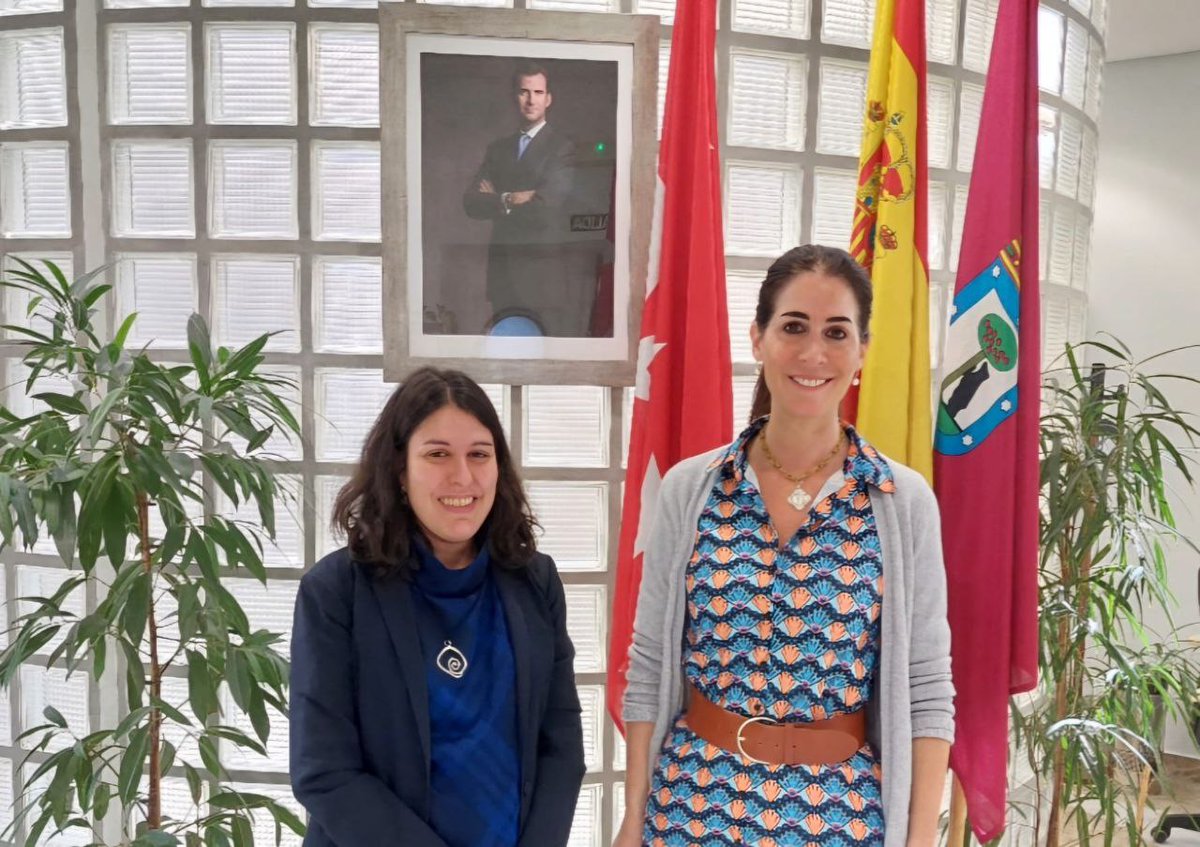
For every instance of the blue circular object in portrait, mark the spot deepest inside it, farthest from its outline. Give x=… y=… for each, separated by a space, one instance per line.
x=514 y=326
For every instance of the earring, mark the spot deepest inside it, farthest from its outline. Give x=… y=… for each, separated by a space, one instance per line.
x=856 y=380
x=758 y=369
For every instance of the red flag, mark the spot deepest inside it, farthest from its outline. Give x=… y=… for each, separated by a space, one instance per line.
x=986 y=437
x=682 y=403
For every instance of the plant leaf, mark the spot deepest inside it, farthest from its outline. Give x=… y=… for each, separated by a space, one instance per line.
x=65 y=403
x=195 y=782
x=133 y=763
x=237 y=675
x=208 y=755
x=202 y=692
x=136 y=611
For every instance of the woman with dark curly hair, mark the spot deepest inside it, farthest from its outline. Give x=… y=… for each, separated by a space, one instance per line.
x=433 y=696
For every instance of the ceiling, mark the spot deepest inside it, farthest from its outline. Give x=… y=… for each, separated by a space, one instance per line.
x=1141 y=28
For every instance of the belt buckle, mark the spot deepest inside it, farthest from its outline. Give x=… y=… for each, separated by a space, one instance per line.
x=741 y=738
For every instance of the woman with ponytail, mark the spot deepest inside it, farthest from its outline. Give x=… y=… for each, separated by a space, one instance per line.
x=789 y=676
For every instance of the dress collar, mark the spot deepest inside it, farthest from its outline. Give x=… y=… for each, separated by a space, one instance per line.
x=863 y=461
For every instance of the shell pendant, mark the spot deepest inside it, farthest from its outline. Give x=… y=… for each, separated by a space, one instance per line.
x=799 y=498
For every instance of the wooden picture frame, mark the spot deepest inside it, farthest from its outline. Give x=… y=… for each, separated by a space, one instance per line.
x=518 y=260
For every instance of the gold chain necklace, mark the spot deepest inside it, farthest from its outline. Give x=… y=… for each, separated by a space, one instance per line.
x=799 y=498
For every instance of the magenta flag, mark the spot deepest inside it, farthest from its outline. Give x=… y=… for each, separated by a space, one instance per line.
x=985 y=464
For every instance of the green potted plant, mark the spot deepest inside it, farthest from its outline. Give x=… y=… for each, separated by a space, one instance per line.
x=1109 y=440
x=120 y=467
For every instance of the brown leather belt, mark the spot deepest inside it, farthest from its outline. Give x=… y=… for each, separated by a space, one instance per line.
x=764 y=740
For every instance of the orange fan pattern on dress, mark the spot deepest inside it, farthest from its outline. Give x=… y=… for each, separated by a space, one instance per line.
x=788 y=628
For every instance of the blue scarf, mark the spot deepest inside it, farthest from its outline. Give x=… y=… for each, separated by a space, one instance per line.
x=475 y=765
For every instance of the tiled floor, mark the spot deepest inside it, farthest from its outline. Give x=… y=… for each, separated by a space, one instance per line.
x=1183 y=777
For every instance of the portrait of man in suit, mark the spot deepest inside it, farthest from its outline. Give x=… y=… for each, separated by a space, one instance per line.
x=518 y=185
x=518 y=174
x=522 y=187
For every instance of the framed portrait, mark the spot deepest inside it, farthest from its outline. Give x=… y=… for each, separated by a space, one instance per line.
x=518 y=167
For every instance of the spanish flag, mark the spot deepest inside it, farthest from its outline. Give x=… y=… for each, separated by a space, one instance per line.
x=893 y=406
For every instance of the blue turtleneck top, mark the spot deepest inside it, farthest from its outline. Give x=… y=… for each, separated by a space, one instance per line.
x=475 y=765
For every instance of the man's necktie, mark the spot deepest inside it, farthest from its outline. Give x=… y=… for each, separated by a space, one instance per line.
x=522 y=144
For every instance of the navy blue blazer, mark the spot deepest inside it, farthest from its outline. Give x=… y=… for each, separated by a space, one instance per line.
x=360 y=707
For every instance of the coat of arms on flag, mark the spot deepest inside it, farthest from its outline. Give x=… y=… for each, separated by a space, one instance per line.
x=980 y=391
x=886 y=175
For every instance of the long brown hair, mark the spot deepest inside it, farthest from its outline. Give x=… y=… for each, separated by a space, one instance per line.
x=371 y=508
x=805 y=259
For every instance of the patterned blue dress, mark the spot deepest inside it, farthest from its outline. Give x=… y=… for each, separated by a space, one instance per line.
x=787 y=631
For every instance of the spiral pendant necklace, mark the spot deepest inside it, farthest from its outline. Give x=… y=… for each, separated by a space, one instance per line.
x=449 y=611
x=451 y=661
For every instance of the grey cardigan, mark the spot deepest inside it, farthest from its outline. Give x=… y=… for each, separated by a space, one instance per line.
x=913 y=696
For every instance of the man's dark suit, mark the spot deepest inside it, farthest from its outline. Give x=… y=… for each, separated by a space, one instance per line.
x=527 y=261
x=360 y=729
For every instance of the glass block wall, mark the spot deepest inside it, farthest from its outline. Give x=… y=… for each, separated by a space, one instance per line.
x=223 y=157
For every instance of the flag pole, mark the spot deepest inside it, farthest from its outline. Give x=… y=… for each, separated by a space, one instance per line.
x=956 y=836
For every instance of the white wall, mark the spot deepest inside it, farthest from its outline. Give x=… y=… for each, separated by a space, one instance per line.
x=1145 y=265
